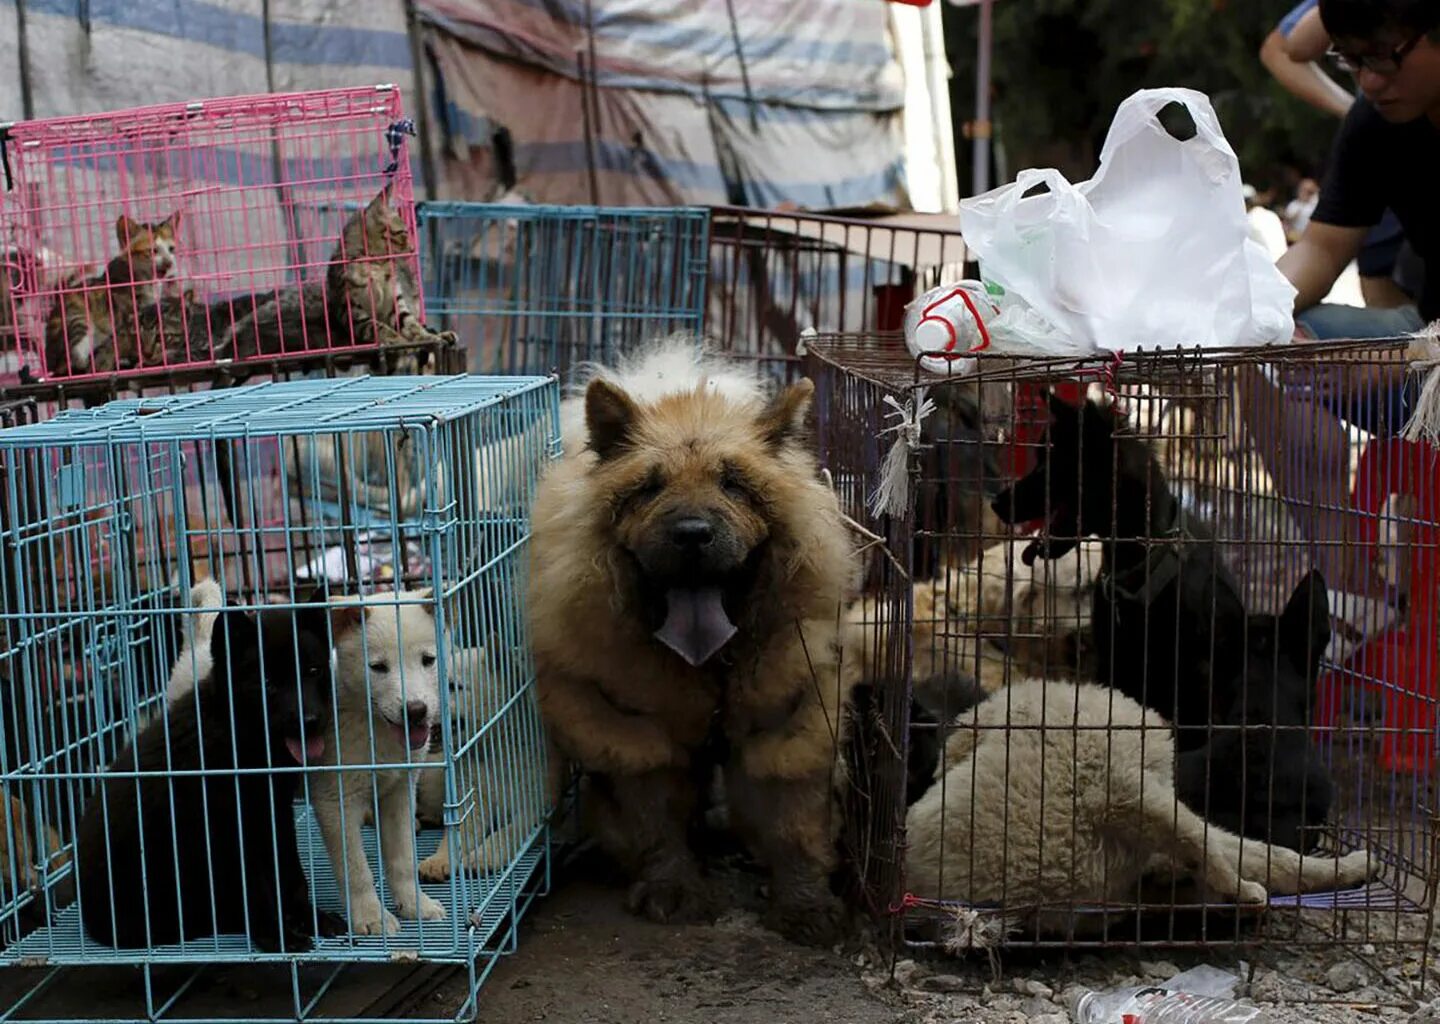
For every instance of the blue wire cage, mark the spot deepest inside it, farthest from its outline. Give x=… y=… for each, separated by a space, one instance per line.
x=400 y=502
x=534 y=289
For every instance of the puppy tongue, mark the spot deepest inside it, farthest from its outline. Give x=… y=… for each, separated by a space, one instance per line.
x=313 y=748
x=418 y=736
x=696 y=625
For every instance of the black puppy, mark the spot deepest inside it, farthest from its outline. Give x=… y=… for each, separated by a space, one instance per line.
x=1167 y=621
x=1266 y=780
x=165 y=857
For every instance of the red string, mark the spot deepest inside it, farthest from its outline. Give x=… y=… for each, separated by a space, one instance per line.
x=1109 y=374
x=907 y=902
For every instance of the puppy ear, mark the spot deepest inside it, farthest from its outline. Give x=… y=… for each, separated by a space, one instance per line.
x=784 y=418
x=610 y=417
x=345 y=616
x=1061 y=411
x=1305 y=623
x=233 y=630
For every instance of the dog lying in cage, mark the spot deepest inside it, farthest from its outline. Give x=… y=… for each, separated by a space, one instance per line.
x=173 y=856
x=1171 y=633
x=1060 y=795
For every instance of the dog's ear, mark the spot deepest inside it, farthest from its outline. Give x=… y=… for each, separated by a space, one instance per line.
x=345 y=616
x=234 y=630
x=1061 y=411
x=610 y=416
x=784 y=418
x=1305 y=623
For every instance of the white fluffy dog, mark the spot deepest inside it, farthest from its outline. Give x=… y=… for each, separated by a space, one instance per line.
x=387 y=699
x=1056 y=795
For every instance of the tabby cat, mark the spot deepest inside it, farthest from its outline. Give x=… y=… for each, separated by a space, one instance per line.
x=369 y=295
x=94 y=327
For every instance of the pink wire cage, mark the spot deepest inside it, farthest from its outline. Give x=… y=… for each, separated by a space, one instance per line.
x=148 y=242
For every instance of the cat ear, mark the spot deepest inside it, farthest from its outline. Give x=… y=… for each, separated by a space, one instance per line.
x=381 y=202
x=170 y=225
x=126 y=229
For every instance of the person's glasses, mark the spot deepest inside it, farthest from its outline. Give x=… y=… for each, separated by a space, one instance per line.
x=1378 y=63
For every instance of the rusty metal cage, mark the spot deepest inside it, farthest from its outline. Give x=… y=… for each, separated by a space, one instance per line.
x=775 y=274
x=1190 y=696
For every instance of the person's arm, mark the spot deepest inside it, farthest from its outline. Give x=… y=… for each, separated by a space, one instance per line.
x=1308 y=40
x=1314 y=262
x=1303 y=79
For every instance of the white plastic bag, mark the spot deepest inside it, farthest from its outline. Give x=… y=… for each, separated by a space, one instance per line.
x=1152 y=252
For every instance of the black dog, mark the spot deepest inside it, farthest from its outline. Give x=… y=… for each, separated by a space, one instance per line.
x=1163 y=595
x=1186 y=647
x=1262 y=782
x=167 y=857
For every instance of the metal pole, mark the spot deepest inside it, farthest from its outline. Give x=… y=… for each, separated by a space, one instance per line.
x=27 y=99
x=981 y=130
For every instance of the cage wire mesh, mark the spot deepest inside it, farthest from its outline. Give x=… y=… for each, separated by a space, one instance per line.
x=535 y=289
x=775 y=274
x=197 y=849
x=1189 y=697
x=160 y=242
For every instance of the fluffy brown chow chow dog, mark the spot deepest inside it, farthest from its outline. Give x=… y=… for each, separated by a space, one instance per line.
x=688 y=572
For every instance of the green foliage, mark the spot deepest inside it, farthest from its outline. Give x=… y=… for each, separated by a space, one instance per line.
x=1062 y=66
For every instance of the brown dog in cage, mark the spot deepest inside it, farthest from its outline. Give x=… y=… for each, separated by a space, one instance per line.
x=688 y=571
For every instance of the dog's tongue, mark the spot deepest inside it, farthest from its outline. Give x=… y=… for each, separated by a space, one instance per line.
x=313 y=748
x=696 y=625
x=414 y=736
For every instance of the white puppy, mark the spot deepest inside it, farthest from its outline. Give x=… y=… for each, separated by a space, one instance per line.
x=387 y=699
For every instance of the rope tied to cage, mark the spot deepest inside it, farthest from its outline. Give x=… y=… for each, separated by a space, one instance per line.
x=892 y=493
x=1424 y=355
x=909 y=901
x=395 y=138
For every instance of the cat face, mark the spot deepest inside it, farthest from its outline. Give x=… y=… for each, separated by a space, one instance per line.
x=149 y=249
x=385 y=231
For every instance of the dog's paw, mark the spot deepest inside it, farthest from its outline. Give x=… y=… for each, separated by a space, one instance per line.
x=1251 y=892
x=670 y=900
x=328 y=925
x=436 y=867
x=370 y=918
x=425 y=908
x=813 y=923
x=1355 y=868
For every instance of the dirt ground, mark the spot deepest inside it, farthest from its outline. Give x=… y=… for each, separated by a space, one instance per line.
x=583 y=960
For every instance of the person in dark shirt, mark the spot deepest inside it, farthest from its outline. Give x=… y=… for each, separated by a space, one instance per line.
x=1383 y=157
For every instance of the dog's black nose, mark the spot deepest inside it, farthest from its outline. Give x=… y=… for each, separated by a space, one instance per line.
x=312 y=725
x=416 y=712
x=692 y=532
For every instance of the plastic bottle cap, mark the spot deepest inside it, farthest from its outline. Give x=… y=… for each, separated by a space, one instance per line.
x=933 y=336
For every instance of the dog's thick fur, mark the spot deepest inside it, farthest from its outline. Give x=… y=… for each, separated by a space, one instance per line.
x=1061 y=794
x=387 y=702
x=173 y=845
x=670 y=439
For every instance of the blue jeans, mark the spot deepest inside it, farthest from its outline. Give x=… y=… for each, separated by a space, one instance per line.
x=1381 y=412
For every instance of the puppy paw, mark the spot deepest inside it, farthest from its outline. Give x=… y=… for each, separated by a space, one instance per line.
x=670 y=900
x=436 y=867
x=369 y=918
x=329 y=925
x=1355 y=868
x=424 y=908
x=818 y=922
x=1251 y=892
